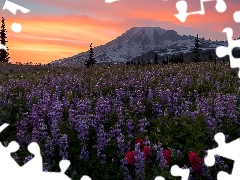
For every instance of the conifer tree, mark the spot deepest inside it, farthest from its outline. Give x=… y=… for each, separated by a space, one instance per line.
x=181 y=58
x=91 y=60
x=4 y=55
x=149 y=63
x=196 y=50
x=156 y=59
x=138 y=62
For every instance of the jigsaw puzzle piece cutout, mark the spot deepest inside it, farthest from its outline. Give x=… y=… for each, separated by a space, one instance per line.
x=35 y=164
x=3 y=47
x=111 y=1
x=40 y=175
x=182 y=6
x=182 y=11
x=159 y=178
x=63 y=164
x=222 y=51
x=223 y=176
x=3 y=126
x=87 y=178
x=236 y=16
x=177 y=171
x=226 y=150
x=12 y=7
x=8 y=165
x=221 y=6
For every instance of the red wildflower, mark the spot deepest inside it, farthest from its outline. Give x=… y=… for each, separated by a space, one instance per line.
x=140 y=141
x=147 y=151
x=192 y=156
x=196 y=162
x=130 y=157
x=167 y=155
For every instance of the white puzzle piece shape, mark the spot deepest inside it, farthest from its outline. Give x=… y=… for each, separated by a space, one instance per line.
x=222 y=51
x=177 y=171
x=226 y=150
x=182 y=9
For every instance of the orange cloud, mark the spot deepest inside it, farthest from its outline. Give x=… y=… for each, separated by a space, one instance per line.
x=47 y=39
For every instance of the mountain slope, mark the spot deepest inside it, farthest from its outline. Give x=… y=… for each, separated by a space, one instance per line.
x=137 y=41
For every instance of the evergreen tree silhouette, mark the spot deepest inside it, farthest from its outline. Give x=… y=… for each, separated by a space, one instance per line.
x=91 y=60
x=149 y=63
x=156 y=59
x=164 y=62
x=138 y=62
x=196 y=50
x=210 y=57
x=181 y=58
x=4 y=55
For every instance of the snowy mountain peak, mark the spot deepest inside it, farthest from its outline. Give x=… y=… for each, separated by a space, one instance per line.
x=134 y=42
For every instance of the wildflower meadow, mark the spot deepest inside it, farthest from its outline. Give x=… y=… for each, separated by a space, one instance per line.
x=121 y=122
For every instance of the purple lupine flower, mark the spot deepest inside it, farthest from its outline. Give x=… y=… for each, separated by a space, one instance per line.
x=16 y=158
x=82 y=128
x=55 y=117
x=129 y=128
x=71 y=116
x=46 y=167
x=101 y=142
x=121 y=144
x=36 y=135
x=23 y=135
x=126 y=172
x=160 y=156
x=212 y=123
x=42 y=129
x=147 y=142
x=178 y=153
x=102 y=108
x=49 y=147
x=204 y=170
x=63 y=145
x=139 y=162
x=140 y=108
x=84 y=154
x=156 y=108
x=28 y=158
x=226 y=168
x=219 y=162
x=142 y=125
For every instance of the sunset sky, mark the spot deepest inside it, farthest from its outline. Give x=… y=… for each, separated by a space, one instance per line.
x=56 y=29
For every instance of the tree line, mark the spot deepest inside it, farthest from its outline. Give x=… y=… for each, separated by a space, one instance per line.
x=179 y=59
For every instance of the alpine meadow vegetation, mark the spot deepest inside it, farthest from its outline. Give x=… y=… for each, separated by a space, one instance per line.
x=121 y=122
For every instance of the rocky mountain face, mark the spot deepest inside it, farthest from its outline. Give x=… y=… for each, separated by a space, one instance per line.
x=138 y=41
